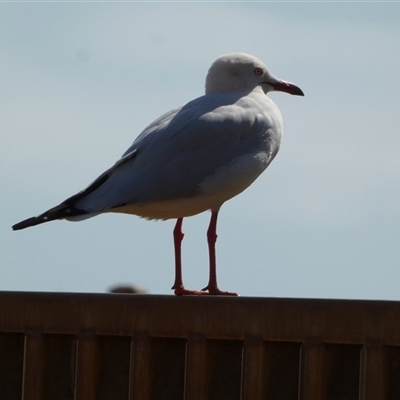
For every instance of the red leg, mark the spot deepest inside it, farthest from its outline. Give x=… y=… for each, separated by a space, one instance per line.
x=212 y=286
x=178 y=287
x=178 y=237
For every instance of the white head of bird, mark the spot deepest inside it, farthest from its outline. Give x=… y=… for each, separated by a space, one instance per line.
x=241 y=72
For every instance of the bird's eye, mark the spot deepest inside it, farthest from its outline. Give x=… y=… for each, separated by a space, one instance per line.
x=258 y=71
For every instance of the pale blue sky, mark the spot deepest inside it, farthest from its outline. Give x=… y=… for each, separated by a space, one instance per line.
x=79 y=81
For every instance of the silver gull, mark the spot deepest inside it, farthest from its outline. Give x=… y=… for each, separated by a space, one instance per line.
x=191 y=159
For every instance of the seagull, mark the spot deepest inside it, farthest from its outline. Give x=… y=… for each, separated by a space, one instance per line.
x=191 y=159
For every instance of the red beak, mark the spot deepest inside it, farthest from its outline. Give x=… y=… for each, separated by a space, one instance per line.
x=287 y=87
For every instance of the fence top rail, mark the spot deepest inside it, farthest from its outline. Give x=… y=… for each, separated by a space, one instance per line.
x=275 y=319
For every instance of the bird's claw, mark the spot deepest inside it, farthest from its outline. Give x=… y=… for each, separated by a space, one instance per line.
x=215 y=291
x=181 y=291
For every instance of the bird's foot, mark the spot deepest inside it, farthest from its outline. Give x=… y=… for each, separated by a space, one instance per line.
x=215 y=291
x=181 y=291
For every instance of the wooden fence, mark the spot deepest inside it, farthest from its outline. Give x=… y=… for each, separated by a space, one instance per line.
x=61 y=346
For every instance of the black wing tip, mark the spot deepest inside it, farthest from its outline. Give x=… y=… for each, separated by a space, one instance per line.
x=28 y=222
x=18 y=226
x=67 y=207
x=61 y=211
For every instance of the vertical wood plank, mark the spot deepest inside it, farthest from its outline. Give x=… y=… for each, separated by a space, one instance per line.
x=373 y=381
x=196 y=368
x=11 y=365
x=342 y=371
x=168 y=368
x=59 y=371
x=87 y=367
x=253 y=369
x=224 y=361
x=114 y=352
x=281 y=370
x=392 y=372
x=140 y=368
x=312 y=382
x=34 y=364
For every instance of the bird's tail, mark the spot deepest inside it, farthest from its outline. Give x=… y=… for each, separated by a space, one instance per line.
x=62 y=211
x=67 y=209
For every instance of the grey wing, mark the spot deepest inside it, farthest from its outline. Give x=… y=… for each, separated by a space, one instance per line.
x=174 y=155
x=170 y=158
